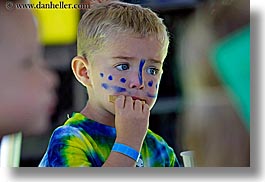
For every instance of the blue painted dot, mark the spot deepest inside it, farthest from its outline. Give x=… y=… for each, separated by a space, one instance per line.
x=150 y=83
x=102 y=75
x=156 y=86
x=105 y=86
x=110 y=77
x=123 y=80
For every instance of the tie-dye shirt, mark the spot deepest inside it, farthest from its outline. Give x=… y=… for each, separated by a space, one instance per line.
x=82 y=142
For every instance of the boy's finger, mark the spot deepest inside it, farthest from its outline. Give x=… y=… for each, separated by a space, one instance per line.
x=128 y=103
x=138 y=105
x=119 y=101
x=146 y=108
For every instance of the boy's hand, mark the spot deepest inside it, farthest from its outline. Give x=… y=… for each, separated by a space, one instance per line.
x=131 y=121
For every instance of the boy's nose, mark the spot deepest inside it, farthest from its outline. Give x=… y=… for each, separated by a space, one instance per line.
x=136 y=81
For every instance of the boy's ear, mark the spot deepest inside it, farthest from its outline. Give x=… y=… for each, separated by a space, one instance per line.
x=80 y=67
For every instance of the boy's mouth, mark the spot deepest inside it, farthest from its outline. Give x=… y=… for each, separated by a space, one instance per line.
x=137 y=98
x=112 y=98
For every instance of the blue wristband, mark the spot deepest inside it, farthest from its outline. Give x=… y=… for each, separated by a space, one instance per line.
x=126 y=150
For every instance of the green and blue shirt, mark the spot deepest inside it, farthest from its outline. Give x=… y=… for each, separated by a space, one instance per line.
x=82 y=142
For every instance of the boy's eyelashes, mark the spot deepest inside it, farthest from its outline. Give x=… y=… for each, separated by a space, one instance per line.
x=152 y=71
x=125 y=66
x=122 y=67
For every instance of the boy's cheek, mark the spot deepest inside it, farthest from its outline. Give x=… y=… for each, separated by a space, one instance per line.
x=152 y=85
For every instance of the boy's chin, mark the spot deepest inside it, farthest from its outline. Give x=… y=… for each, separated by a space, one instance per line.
x=111 y=108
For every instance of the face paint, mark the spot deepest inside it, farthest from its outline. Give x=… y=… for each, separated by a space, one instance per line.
x=150 y=83
x=114 y=88
x=152 y=96
x=140 y=73
x=110 y=77
x=101 y=75
x=122 y=80
x=118 y=89
x=105 y=86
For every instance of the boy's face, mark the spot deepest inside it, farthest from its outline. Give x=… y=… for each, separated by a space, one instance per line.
x=27 y=87
x=126 y=66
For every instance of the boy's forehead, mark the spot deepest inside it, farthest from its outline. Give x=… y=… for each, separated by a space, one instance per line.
x=134 y=47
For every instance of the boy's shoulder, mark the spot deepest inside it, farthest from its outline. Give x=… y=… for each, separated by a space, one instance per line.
x=80 y=126
x=70 y=127
x=76 y=118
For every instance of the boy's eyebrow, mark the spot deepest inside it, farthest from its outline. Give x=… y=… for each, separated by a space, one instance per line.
x=155 y=61
x=123 y=57
x=133 y=58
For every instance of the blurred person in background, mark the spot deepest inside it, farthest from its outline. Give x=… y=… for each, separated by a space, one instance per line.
x=215 y=71
x=27 y=91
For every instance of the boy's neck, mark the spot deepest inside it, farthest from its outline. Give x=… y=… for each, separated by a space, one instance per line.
x=103 y=116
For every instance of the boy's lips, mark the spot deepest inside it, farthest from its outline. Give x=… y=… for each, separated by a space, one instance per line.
x=137 y=98
x=113 y=97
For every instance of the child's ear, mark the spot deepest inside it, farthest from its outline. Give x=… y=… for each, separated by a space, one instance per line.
x=80 y=67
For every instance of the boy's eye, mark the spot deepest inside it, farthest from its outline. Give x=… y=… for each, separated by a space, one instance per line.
x=152 y=71
x=122 y=67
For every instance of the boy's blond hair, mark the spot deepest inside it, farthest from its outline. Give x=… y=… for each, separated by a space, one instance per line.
x=112 y=18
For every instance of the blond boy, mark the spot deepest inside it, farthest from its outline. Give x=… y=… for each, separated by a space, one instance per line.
x=121 y=50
